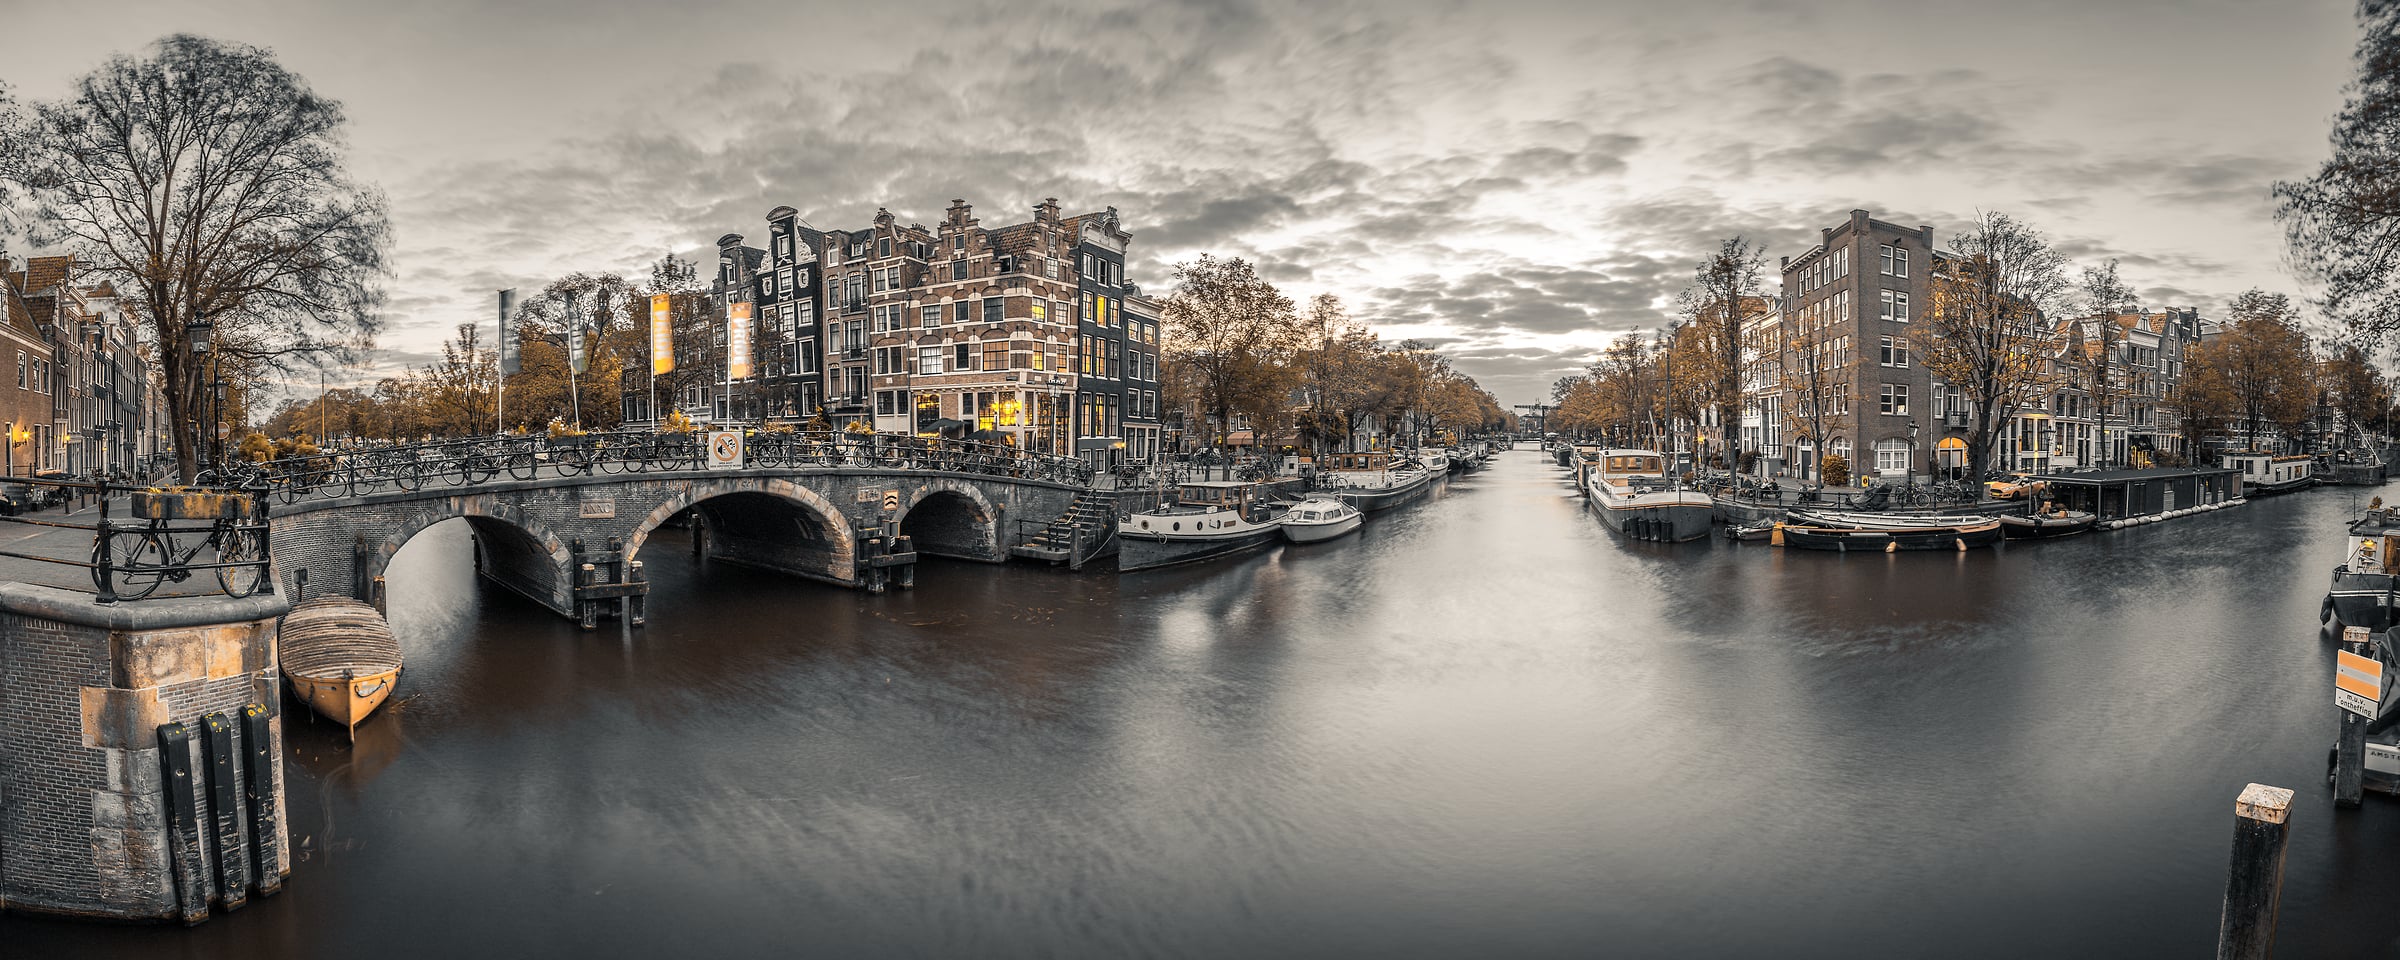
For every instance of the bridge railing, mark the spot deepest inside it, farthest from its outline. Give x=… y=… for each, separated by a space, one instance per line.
x=134 y=540
x=470 y=462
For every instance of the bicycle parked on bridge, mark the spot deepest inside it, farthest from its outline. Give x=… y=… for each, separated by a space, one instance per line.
x=131 y=564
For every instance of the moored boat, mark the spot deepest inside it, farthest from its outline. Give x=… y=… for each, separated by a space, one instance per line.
x=1887 y=537
x=2266 y=474
x=2044 y=526
x=2364 y=584
x=339 y=656
x=1210 y=518
x=1636 y=497
x=1375 y=480
x=1320 y=518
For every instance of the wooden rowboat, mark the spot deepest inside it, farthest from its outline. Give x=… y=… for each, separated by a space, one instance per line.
x=340 y=657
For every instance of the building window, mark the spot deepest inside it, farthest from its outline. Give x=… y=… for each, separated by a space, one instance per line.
x=1894 y=351
x=993 y=310
x=995 y=355
x=964 y=357
x=958 y=269
x=1886 y=251
x=931 y=314
x=1900 y=305
x=1895 y=400
x=1041 y=311
x=1891 y=456
x=21 y=369
x=929 y=360
x=1899 y=261
x=883 y=247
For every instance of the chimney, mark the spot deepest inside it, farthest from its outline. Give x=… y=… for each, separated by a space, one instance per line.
x=1046 y=211
x=961 y=213
x=1925 y=235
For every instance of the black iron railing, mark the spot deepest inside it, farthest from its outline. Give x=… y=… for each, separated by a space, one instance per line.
x=360 y=471
x=142 y=538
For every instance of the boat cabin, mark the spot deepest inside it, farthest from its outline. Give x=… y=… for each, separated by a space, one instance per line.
x=1215 y=494
x=2267 y=470
x=2373 y=542
x=1363 y=461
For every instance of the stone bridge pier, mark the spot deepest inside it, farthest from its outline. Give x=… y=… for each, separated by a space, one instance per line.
x=845 y=526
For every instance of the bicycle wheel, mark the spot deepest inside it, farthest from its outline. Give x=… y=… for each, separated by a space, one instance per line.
x=571 y=461
x=409 y=475
x=238 y=546
x=522 y=466
x=138 y=567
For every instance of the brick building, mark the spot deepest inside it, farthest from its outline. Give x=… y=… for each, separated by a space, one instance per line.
x=1116 y=355
x=1858 y=293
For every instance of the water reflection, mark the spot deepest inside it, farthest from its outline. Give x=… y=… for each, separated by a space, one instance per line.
x=1483 y=726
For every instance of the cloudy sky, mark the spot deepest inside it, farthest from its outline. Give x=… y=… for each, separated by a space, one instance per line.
x=1518 y=180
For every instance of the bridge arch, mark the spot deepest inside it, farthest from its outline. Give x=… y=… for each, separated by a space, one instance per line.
x=514 y=549
x=945 y=517
x=763 y=522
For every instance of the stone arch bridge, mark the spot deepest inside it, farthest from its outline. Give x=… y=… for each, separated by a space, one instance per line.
x=853 y=525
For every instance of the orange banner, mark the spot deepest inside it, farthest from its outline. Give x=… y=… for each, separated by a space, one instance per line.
x=737 y=341
x=662 y=334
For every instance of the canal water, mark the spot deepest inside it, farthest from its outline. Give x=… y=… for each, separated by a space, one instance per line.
x=1484 y=727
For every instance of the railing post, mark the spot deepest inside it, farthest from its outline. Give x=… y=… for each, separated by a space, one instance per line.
x=2254 y=887
x=266 y=544
x=640 y=611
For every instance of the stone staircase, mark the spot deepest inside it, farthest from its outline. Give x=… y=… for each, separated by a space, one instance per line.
x=1086 y=531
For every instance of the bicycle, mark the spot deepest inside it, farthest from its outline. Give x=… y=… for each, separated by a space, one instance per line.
x=153 y=558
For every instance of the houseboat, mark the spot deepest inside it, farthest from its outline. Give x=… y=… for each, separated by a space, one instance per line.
x=2362 y=593
x=2267 y=474
x=2123 y=498
x=1375 y=480
x=1638 y=499
x=1209 y=518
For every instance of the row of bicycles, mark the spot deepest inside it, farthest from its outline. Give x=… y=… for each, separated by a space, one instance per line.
x=465 y=463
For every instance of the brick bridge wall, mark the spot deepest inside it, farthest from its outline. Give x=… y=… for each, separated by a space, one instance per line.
x=794 y=520
x=84 y=688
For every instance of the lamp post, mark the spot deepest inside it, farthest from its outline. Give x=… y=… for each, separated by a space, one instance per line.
x=201 y=331
x=2049 y=435
x=1911 y=479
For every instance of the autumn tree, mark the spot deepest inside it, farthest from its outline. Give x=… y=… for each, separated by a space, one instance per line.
x=1232 y=336
x=1723 y=297
x=203 y=179
x=1816 y=363
x=2258 y=370
x=1987 y=335
x=2354 y=388
x=2342 y=225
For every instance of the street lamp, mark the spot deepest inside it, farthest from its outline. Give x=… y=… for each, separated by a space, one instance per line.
x=2049 y=436
x=1912 y=452
x=202 y=331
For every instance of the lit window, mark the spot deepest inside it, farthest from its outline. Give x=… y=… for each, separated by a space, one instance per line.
x=1895 y=400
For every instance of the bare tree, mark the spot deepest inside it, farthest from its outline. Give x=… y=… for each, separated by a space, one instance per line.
x=2343 y=224
x=1987 y=334
x=2105 y=295
x=1724 y=294
x=205 y=180
x=1816 y=361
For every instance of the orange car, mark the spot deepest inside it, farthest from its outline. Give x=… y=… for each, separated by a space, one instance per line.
x=2012 y=486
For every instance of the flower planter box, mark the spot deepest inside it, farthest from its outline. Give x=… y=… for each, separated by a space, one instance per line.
x=189 y=505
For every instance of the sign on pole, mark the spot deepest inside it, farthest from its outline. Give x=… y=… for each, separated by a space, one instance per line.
x=662 y=334
x=737 y=341
x=2357 y=683
x=510 y=362
x=724 y=449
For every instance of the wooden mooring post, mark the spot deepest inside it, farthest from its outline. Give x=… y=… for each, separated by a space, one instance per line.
x=2350 y=745
x=2254 y=886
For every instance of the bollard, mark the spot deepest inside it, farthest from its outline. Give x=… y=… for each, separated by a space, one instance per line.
x=2350 y=745
x=358 y=568
x=641 y=602
x=588 y=610
x=2254 y=886
x=375 y=595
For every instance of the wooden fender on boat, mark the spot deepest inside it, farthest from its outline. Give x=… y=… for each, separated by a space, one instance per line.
x=1962 y=543
x=1891 y=546
x=1775 y=536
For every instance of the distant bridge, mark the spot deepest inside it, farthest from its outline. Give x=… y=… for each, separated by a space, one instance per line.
x=853 y=510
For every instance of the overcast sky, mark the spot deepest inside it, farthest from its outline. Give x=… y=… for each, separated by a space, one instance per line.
x=1520 y=181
